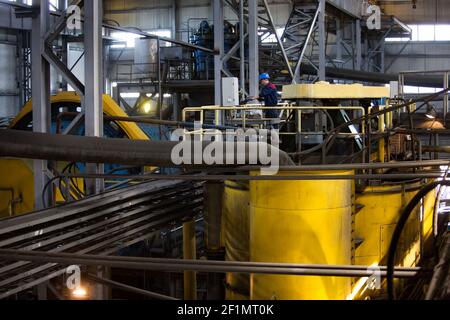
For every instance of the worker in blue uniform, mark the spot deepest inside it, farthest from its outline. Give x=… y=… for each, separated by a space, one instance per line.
x=268 y=94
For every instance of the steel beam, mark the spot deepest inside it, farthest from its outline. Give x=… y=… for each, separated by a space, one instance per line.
x=358 y=58
x=93 y=82
x=41 y=96
x=322 y=41
x=339 y=37
x=219 y=48
x=253 y=48
x=242 y=66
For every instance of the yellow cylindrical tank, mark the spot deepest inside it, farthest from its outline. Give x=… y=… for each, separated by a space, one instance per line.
x=305 y=222
x=235 y=224
x=376 y=221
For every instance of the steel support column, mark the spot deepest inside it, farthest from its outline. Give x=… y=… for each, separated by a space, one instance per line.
x=40 y=80
x=242 y=77
x=93 y=81
x=322 y=41
x=219 y=48
x=339 y=38
x=253 y=47
x=358 y=58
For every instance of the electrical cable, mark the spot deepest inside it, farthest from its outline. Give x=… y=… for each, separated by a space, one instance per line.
x=399 y=228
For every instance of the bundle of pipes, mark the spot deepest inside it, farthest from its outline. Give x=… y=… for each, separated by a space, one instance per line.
x=100 y=225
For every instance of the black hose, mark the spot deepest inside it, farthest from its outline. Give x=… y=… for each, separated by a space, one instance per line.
x=399 y=228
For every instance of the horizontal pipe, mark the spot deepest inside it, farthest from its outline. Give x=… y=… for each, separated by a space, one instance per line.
x=128 y=288
x=45 y=146
x=183 y=124
x=303 y=177
x=172 y=265
x=377 y=77
x=440 y=149
x=359 y=166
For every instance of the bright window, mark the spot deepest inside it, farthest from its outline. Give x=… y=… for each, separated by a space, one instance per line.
x=271 y=38
x=427 y=32
x=127 y=37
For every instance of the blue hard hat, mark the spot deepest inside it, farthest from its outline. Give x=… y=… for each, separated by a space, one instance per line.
x=264 y=76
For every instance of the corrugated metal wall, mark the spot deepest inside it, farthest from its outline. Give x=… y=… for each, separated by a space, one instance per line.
x=9 y=104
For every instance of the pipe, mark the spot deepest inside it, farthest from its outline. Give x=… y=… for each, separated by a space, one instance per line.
x=198 y=177
x=439 y=149
x=168 y=122
x=358 y=166
x=177 y=265
x=377 y=77
x=128 y=288
x=45 y=146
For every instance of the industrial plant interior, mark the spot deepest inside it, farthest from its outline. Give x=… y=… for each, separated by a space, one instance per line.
x=224 y=150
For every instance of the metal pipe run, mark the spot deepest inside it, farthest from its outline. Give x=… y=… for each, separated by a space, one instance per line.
x=128 y=288
x=393 y=176
x=439 y=149
x=356 y=166
x=180 y=265
x=183 y=124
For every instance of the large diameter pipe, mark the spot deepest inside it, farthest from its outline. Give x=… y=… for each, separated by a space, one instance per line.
x=44 y=146
x=377 y=77
x=439 y=149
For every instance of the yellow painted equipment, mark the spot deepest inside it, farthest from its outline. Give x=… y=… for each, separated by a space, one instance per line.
x=307 y=222
x=110 y=108
x=325 y=90
x=376 y=221
x=375 y=224
x=235 y=223
x=16 y=184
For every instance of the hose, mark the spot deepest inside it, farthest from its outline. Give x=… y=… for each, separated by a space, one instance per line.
x=399 y=228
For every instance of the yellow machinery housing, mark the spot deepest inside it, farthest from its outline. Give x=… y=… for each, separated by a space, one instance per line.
x=16 y=183
x=376 y=222
x=325 y=90
x=307 y=222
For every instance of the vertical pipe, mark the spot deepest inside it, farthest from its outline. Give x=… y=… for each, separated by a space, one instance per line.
x=160 y=93
x=40 y=79
x=446 y=95
x=322 y=41
x=189 y=253
x=381 y=143
x=93 y=100
x=253 y=48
